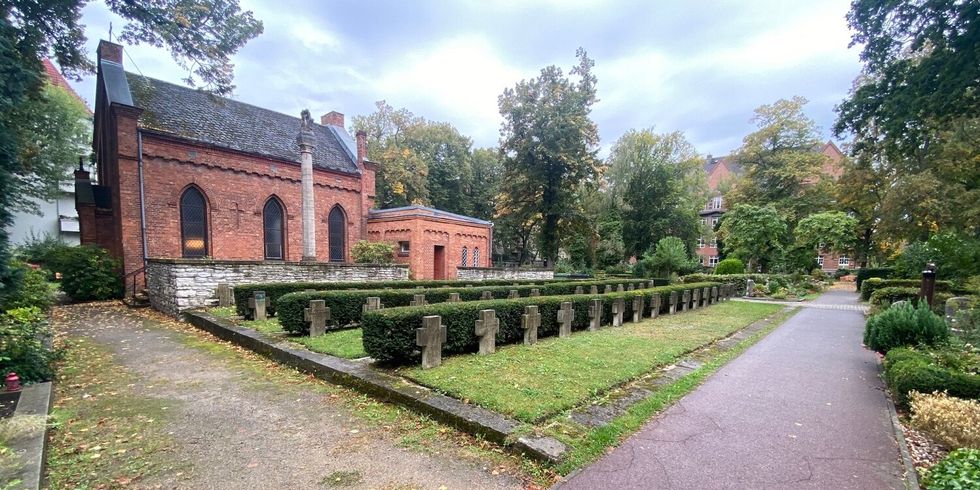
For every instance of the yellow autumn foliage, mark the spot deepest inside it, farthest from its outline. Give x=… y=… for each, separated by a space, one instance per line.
x=952 y=421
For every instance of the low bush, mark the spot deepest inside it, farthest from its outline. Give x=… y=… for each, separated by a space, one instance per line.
x=952 y=421
x=841 y=272
x=929 y=371
x=873 y=284
x=24 y=344
x=365 y=252
x=884 y=297
x=730 y=266
x=904 y=325
x=273 y=290
x=389 y=335
x=959 y=470
x=869 y=272
x=739 y=280
x=88 y=273
x=346 y=306
x=32 y=290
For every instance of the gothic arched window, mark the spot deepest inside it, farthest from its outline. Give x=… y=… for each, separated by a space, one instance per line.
x=273 y=226
x=462 y=262
x=193 y=224
x=337 y=234
x=476 y=257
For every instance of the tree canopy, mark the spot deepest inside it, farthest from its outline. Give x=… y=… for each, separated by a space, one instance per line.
x=830 y=230
x=755 y=234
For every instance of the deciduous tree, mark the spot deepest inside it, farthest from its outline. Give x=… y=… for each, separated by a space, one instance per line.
x=755 y=234
x=832 y=230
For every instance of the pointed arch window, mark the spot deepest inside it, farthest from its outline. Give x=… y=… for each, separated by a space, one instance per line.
x=273 y=225
x=337 y=234
x=193 y=224
x=476 y=257
x=465 y=256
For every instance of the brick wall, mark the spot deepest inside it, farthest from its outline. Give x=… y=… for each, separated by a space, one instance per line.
x=485 y=273
x=175 y=285
x=424 y=233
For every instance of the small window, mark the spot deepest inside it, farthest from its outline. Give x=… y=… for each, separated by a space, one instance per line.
x=713 y=243
x=462 y=261
x=193 y=224
x=337 y=234
x=704 y=221
x=716 y=202
x=701 y=242
x=713 y=260
x=403 y=248
x=272 y=223
x=820 y=260
x=476 y=257
x=843 y=261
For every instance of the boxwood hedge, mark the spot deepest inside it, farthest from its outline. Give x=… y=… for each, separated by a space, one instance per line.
x=928 y=371
x=273 y=290
x=346 y=306
x=739 y=280
x=870 y=285
x=389 y=335
x=866 y=273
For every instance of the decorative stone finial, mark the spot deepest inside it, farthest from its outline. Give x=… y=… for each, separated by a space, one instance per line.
x=305 y=138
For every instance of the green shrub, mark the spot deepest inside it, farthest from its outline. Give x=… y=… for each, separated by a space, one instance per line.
x=389 y=334
x=730 y=266
x=38 y=250
x=866 y=273
x=24 y=339
x=959 y=470
x=904 y=325
x=346 y=306
x=841 y=272
x=32 y=290
x=873 y=284
x=273 y=290
x=929 y=371
x=365 y=252
x=88 y=273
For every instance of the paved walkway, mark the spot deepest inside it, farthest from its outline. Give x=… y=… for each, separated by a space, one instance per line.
x=809 y=304
x=803 y=408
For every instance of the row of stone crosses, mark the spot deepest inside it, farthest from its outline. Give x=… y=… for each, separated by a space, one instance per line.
x=432 y=335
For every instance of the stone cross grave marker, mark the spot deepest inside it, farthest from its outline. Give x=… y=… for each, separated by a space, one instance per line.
x=225 y=297
x=373 y=303
x=714 y=295
x=723 y=292
x=595 y=314
x=430 y=338
x=257 y=304
x=673 y=303
x=453 y=298
x=618 y=308
x=651 y=284
x=654 y=305
x=749 y=287
x=637 y=308
x=608 y=289
x=418 y=300
x=530 y=321
x=619 y=288
x=486 y=295
x=685 y=299
x=486 y=328
x=631 y=287
x=565 y=316
x=957 y=311
x=535 y=292
x=594 y=289
x=579 y=290
x=695 y=298
x=317 y=315
x=469 y=285
x=705 y=296
x=513 y=294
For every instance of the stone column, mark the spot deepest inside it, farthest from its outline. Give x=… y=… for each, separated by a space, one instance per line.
x=305 y=140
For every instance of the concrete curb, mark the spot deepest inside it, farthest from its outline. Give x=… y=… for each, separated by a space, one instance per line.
x=32 y=448
x=470 y=418
x=911 y=476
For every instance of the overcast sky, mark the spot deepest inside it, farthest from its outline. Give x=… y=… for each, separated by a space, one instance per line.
x=700 y=67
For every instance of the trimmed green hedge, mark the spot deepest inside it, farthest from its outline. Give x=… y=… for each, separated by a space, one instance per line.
x=346 y=306
x=273 y=290
x=739 y=280
x=908 y=369
x=867 y=273
x=869 y=286
x=389 y=335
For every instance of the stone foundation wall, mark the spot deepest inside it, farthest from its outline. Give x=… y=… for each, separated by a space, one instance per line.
x=484 y=273
x=175 y=285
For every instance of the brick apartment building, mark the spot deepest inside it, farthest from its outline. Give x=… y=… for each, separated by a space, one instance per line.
x=721 y=169
x=185 y=174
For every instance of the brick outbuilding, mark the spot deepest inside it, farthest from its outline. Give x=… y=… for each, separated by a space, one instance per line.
x=432 y=242
x=186 y=174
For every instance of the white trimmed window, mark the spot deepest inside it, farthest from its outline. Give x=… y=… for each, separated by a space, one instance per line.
x=820 y=260
x=704 y=221
x=843 y=261
x=713 y=243
x=714 y=221
x=713 y=260
x=701 y=242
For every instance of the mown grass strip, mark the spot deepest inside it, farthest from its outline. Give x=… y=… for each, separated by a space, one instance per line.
x=341 y=343
x=532 y=382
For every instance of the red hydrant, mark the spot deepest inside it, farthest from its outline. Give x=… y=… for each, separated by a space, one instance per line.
x=13 y=382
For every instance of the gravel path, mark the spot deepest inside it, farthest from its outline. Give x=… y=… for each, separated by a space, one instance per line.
x=241 y=432
x=803 y=408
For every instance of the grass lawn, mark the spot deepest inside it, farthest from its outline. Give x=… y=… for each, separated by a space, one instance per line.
x=341 y=343
x=532 y=382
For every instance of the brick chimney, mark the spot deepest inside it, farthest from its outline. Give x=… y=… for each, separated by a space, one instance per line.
x=332 y=118
x=361 y=147
x=109 y=51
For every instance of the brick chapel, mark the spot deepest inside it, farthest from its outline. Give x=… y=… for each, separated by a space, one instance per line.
x=186 y=174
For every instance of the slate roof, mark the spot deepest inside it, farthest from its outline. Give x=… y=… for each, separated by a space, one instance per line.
x=712 y=162
x=196 y=115
x=424 y=211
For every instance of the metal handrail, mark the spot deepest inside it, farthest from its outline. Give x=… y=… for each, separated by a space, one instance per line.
x=134 y=274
